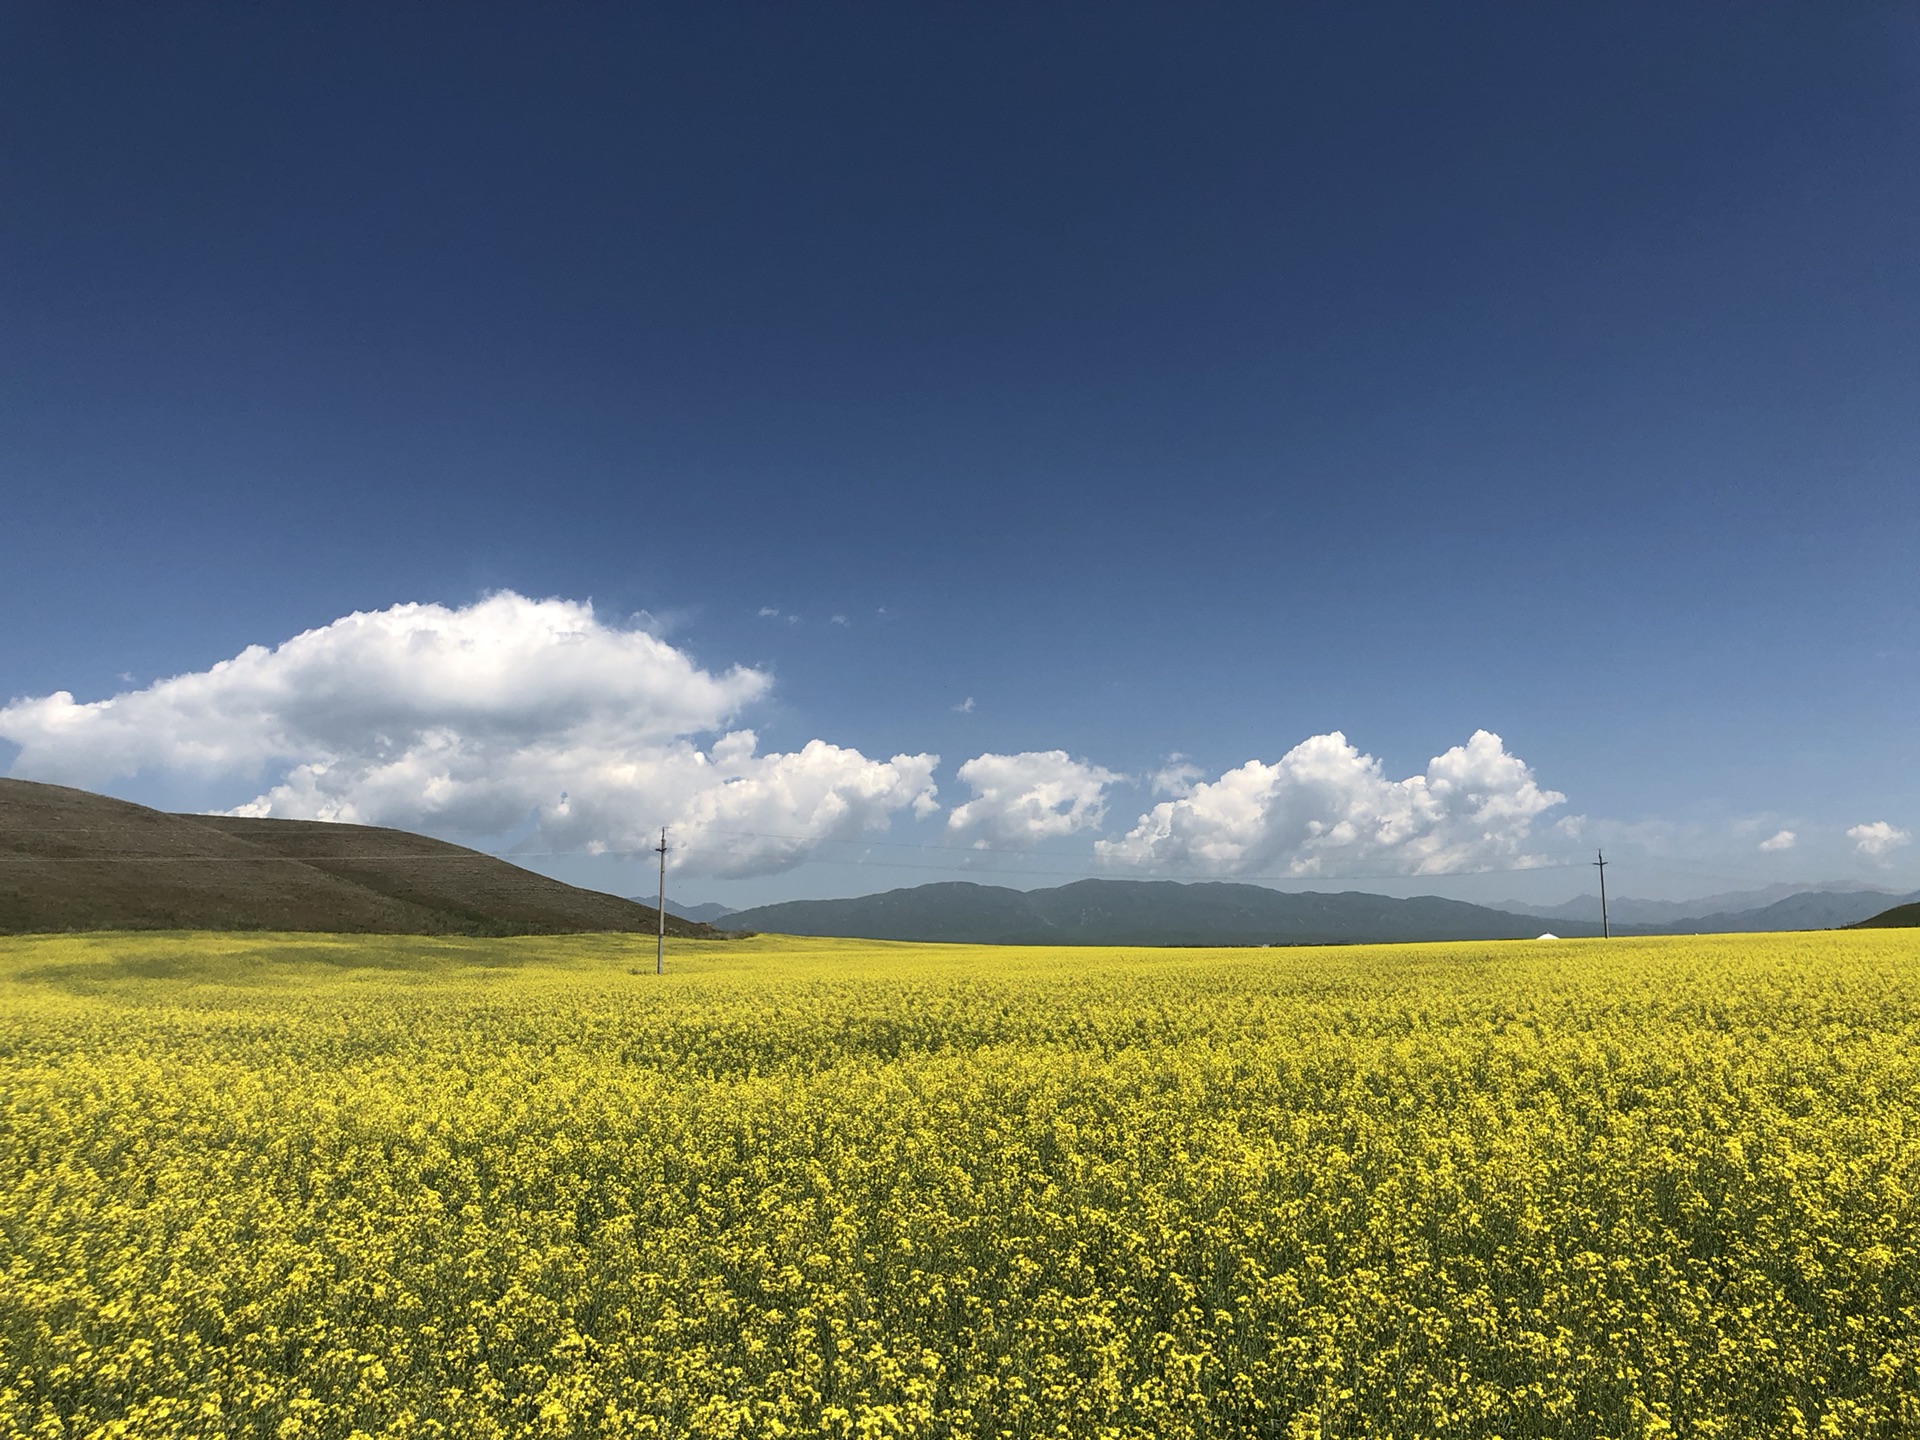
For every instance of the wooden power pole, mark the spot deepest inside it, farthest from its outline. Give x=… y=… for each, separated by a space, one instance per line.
x=660 y=951
x=1605 y=933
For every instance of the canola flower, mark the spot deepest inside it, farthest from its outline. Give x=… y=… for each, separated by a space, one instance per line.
x=300 y=1186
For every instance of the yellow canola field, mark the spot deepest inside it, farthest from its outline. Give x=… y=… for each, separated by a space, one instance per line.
x=365 y=1186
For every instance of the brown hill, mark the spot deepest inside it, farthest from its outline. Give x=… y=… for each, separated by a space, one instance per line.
x=73 y=860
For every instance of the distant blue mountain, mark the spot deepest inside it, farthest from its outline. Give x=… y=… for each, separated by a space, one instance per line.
x=1165 y=912
x=1141 y=912
x=1835 y=903
x=708 y=914
x=1811 y=910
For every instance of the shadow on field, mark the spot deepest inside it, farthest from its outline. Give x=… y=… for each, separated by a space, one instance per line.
x=99 y=963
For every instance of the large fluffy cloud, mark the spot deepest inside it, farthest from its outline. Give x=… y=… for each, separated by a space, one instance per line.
x=769 y=812
x=1877 y=839
x=1325 y=808
x=1035 y=795
x=471 y=721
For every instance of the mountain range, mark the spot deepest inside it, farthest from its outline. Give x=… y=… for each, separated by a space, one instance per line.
x=1824 y=905
x=1164 y=912
x=1141 y=912
x=73 y=860
x=708 y=914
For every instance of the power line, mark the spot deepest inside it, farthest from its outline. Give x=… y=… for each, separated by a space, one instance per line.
x=1706 y=870
x=963 y=857
x=963 y=862
x=635 y=853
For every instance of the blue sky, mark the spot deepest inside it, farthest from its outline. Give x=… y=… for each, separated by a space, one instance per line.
x=1162 y=380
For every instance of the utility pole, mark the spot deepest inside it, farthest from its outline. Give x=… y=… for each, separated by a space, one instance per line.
x=1605 y=934
x=660 y=953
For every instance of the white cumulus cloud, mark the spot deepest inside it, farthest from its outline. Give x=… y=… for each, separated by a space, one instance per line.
x=1878 y=838
x=1176 y=777
x=469 y=721
x=1029 y=797
x=770 y=811
x=1781 y=840
x=1324 y=808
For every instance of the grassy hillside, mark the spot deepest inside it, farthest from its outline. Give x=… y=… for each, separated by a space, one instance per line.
x=72 y=860
x=1900 y=917
x=337 y=1186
